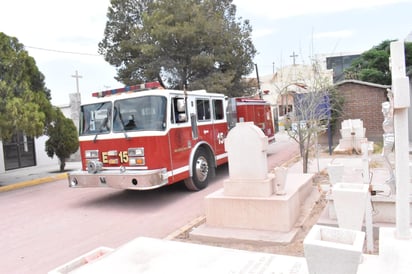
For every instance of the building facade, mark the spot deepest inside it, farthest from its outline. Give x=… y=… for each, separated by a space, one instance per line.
x=279 y=88
x=24 y=151
x=363 y=100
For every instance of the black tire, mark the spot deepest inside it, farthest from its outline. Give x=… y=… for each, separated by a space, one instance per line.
x=201 y=169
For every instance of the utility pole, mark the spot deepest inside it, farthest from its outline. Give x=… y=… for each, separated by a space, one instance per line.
x=273 y=67
x=77 y=76
x=258 y=81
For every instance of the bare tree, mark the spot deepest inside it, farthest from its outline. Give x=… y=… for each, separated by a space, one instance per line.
x=315 y=104
x=311 y=119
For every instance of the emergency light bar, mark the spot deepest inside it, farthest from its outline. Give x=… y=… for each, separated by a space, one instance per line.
x=145 y=86
x=250 y=100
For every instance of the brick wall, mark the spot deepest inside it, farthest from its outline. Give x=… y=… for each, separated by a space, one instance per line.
x=363 y=101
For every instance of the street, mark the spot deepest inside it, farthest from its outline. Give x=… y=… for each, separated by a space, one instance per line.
x=47 y=225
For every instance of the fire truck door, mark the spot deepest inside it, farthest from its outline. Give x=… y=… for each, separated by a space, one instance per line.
x=181 y=136
x=212 y=125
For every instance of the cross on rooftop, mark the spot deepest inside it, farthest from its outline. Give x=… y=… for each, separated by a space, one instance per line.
x=77 y=76
x=294 y=58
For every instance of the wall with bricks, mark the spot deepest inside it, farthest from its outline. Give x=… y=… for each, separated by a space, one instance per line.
x=363 y=101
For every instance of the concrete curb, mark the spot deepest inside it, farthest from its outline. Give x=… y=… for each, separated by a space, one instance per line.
x=185 y=228
x=34 y=182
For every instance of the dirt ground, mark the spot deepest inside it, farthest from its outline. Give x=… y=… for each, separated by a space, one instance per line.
x=295 y=248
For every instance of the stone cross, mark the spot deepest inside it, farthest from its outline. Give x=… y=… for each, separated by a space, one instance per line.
x=400 y=88
x=77 y=76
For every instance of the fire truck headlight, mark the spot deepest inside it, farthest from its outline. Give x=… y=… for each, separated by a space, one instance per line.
x=137 y=151
x=94 y=166
x=91 y=154
x=137 y=161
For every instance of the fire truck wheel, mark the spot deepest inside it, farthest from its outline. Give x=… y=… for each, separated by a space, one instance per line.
x=201 y=171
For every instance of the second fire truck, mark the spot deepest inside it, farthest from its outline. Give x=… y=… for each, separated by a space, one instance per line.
x=143 y=137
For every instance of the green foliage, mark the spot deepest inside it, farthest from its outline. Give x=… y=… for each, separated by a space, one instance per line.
x=193 y=44
x=373 y=65
x=63 y=139
x=24 y=104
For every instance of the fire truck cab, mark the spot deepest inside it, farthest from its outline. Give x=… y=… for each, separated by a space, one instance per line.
x=154 y=137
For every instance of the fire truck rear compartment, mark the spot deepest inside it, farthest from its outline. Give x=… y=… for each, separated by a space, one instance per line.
x=137 y=180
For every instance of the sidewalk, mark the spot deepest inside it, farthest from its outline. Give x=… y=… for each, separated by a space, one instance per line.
x=30 y=176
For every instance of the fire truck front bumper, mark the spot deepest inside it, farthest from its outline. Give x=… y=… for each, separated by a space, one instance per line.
x=120 y=179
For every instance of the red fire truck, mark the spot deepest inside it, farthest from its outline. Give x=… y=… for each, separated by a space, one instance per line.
x=144 y=137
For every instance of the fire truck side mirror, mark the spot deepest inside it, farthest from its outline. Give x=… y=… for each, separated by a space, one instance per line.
x=182 y=117
x=181 y=105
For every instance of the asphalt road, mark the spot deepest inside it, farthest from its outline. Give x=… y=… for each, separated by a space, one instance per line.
x=47 y=225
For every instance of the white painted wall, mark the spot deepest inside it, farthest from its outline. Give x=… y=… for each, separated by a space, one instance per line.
x=2 y=167
x=70 y=111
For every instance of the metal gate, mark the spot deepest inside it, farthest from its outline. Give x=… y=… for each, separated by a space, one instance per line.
x=19 y=152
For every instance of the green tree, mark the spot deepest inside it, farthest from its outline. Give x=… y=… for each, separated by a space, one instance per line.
x=193 y=44
x=25 y=100
x=373 y=65
x=63 y=140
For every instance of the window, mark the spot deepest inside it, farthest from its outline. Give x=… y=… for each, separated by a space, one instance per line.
x=178 y=110
x=95 y=118
x=218 y=113
x=140 y=113
x=203 y=109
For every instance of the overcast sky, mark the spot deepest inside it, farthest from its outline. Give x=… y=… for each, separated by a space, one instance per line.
x=62 y=36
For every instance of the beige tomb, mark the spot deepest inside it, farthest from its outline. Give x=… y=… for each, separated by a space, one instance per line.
x=248 y=204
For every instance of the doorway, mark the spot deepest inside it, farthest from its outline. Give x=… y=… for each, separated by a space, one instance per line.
x=19 y=152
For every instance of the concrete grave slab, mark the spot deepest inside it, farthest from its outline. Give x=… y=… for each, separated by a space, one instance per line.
x=149 y=256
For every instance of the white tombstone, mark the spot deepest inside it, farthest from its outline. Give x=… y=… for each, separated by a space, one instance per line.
x=248 y=206
x=246 y=146
x=352 y=127
x=353 y=135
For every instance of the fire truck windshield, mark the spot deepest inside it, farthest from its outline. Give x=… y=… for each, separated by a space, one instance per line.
x=140 y=113
x=95 y=118
x=131 y=114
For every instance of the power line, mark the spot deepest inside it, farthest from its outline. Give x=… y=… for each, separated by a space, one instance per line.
x=65 y=52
